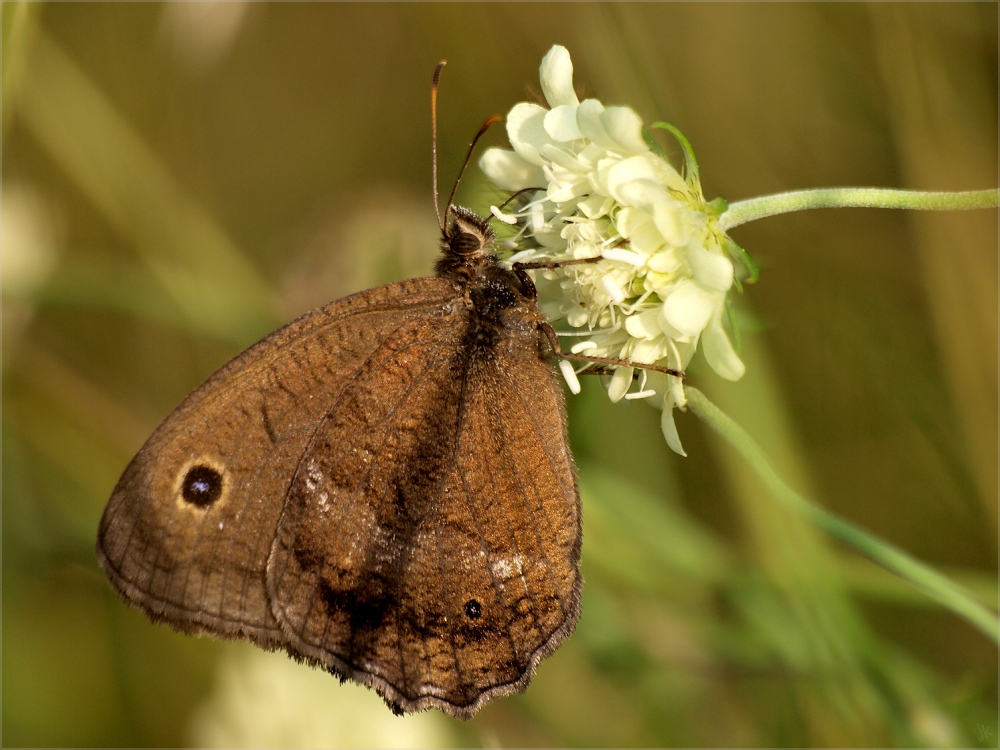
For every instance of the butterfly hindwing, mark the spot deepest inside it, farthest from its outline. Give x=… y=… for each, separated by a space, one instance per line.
x=430 y=543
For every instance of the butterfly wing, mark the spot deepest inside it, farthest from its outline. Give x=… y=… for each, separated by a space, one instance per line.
x=429 y=546
x=188 y=529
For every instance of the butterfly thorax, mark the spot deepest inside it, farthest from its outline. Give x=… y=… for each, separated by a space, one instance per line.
x=467 y=258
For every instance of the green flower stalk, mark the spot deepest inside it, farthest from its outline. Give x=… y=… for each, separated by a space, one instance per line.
x=746 y=211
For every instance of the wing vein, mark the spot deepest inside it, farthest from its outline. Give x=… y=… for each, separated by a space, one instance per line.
x=459 y=432
x=353 y=497
x=566 y=606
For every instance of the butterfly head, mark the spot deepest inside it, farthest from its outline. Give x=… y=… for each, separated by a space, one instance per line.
x=466 y=243
x=467 y=235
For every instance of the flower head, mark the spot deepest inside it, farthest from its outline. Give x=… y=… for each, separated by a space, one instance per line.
x=663 y=272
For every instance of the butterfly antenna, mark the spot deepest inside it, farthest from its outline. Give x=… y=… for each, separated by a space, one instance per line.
x=491 y=120
x=518 y=194
x=434 y=139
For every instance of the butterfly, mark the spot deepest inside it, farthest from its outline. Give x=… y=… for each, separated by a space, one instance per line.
x=383 y=488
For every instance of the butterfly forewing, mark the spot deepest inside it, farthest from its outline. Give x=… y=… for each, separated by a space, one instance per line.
x=430 y=542
x=188 y=529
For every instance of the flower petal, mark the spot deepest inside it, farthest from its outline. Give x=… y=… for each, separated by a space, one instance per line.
x=629 y=170
x=719 y=350
x=659 y=382
x=576 y=317
x=562 y=191
x=625 y=128
x=632 y=182
x=560 y=157
x=621 y=381
x=560 y=123
x=556 y=76
x=588 y=119
x=526 y=131
x=689 y=307
x=595 y=206
x=549 y=238
x=644 y=325
x=650 y=351
x=509 y=171
x=636 y=226
x=672 y=219
x=663 y=261
x=711 y=270
x=669 y=428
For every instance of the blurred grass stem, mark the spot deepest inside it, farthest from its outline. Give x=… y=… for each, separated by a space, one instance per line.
x=213 y=286
x=888 y=556
x=742 y=212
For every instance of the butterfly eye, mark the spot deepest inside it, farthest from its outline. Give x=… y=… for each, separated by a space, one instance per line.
x=465 y=243
x=468 y=234
x=202 y=486
x=473 y=609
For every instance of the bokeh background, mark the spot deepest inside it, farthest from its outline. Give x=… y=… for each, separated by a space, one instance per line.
x=178 y=179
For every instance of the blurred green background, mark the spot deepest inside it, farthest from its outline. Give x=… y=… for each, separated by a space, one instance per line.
x=179 y=179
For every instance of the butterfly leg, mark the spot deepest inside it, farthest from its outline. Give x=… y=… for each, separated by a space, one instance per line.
x=602 y=370
x=550 y=334
x=521 y=271
x=555 y=263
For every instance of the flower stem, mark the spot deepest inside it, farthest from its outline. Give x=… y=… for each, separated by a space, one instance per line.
x=752 y=209
x=893 y=559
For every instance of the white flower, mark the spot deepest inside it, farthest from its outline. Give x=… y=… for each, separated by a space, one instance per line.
x=602 y=192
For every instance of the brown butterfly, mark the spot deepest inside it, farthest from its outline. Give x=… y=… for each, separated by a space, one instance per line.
x=383 y=487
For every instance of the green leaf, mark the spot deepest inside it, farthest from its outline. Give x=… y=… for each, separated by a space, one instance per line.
x=654 y=145
x=748 y=270
x=733 y=329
